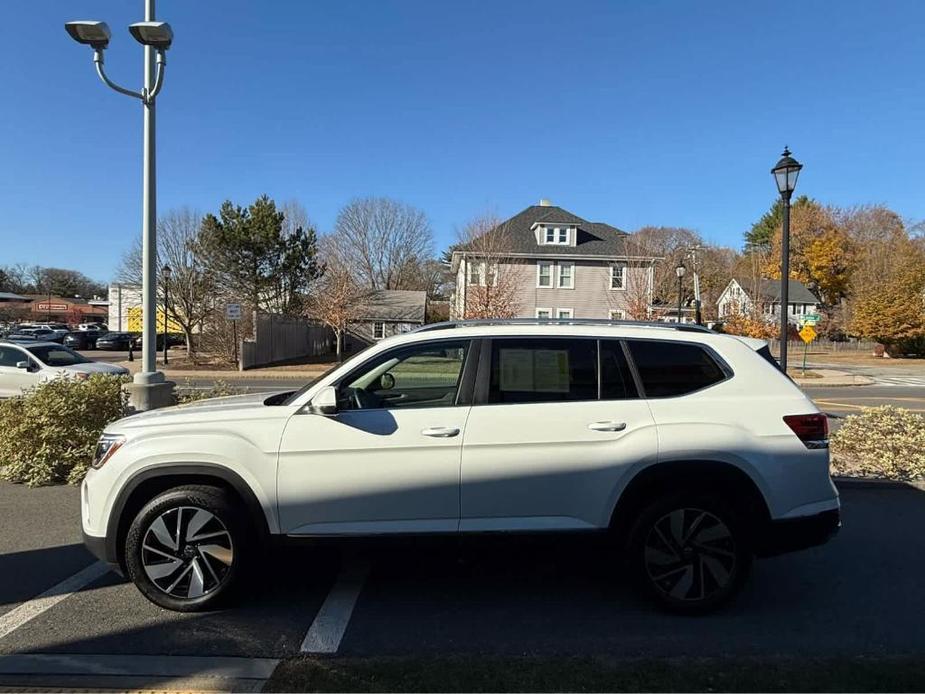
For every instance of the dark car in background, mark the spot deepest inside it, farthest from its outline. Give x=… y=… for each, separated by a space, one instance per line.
x=83 y=339
x=39 y=334
x=114 y=341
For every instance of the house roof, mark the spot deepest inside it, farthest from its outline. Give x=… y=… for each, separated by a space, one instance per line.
x=770 y=290
x=403 y=305
x=593 y=239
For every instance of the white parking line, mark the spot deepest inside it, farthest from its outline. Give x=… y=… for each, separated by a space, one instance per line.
x=31 y=609
x=326 y=632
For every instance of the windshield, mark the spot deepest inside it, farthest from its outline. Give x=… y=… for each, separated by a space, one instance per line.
x=57 y=355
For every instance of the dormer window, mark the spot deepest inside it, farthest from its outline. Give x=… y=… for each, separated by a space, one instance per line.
x=556 y=236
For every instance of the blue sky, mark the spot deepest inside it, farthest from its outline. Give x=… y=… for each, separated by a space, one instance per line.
x=631 y=113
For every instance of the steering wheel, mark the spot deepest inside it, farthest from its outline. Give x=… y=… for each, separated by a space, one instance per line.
x=363 y=399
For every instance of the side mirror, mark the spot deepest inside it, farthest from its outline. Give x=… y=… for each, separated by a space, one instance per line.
x=23 y=365
x=325 y=401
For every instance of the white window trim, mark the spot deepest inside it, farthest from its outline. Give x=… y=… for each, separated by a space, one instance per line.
x=547 y=310
x=552 y=274
x=617 y=314
x=571 y=313
x=623 y=267
x=381 y=331
x=477 y=267
x=559 y=267
x=555 y=231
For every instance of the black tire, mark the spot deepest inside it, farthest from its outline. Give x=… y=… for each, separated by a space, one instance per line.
x=690 y=552
x=187 y=549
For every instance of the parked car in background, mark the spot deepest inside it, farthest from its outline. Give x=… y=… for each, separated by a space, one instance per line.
x=26 y=364
x=83 y=339
x=690 y=451
x=102 y=327
x=115 y=341
x=34 y=334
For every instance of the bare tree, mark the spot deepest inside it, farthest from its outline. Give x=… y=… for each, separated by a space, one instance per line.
x=336 y=299
x=492 y=278
x=191 y=290
x=382 y=242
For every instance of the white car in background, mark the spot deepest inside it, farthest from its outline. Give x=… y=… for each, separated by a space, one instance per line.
x=690 y=449
x=26 y=364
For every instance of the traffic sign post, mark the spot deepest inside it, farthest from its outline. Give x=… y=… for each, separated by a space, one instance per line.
x=807 y=334
x=233 y=313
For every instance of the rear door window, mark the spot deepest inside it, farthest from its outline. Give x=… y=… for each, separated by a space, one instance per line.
x=669 y=369
x=543 y=370
x=616 y=378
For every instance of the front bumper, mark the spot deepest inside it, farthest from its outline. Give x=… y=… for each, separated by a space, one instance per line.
x=793 y=534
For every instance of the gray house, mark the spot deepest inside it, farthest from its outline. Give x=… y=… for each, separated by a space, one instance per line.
x=743 y=296
x=388 y=312
x=546 y=262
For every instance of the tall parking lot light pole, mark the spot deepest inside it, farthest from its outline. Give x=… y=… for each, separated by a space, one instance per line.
x=785 y=173
x=149 y=389
x=679 y=271
x=165 y=273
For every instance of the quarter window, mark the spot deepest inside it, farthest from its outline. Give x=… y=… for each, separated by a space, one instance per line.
x=543 y=370
x=673 y=368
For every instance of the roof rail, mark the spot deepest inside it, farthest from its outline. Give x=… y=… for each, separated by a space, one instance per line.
x=448 y=325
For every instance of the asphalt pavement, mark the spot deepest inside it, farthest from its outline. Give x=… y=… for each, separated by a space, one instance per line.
x=858 y=595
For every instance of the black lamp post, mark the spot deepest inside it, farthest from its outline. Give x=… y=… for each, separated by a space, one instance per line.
x=679 y=271
x=166 y=271
x=785 y=175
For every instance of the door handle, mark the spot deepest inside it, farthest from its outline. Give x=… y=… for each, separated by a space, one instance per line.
x=441 y=432
x=607 y=426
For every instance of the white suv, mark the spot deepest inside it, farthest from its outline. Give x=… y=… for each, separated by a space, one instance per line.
x=689 y=447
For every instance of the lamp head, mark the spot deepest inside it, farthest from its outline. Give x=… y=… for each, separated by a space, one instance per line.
x=158 y=35
x=90 y=33
x=680 y=270
x=166 y=272
x=786 y=172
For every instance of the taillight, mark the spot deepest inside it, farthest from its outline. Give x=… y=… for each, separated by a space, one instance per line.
x=811 y=429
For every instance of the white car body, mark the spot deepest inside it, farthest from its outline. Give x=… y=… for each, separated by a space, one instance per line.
x=15 y=379
x=547 y=466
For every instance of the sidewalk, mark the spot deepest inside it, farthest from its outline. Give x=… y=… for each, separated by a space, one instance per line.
x=308 y=371
x=830 y=377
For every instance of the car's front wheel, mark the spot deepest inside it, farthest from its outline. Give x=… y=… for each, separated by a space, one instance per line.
x=186 y=549
x=690 y=552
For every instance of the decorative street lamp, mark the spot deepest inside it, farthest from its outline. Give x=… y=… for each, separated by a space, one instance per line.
x=785 y=173
x=165 y=273
x=679 y=271
x=148 y=389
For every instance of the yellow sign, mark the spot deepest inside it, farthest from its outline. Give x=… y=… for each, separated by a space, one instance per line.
x=135 y=321
x=808 y=334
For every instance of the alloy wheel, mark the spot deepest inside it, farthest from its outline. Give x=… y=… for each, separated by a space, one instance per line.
x=690 y=555
x=187 y=552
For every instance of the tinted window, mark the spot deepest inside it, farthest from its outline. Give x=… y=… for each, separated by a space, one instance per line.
x=10 y=356
x=423 y=375
x=57 y=356
x=673 y=368
x=616 y=379
x=543 y=370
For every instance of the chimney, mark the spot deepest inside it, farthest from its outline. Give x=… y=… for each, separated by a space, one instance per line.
x=545 y=203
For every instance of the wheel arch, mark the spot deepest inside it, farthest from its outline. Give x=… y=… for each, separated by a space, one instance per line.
x=701 y=475
x=146 y=484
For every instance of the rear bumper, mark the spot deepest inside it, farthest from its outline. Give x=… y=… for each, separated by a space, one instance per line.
x=793 y=534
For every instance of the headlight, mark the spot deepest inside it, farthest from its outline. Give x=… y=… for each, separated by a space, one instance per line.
x=105 y=448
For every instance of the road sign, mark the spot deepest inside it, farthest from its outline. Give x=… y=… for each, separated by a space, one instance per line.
x=233 y=311
x=808 y=334
x=811 y=319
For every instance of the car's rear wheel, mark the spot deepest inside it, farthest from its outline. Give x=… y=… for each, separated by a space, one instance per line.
x=186 y=549
x=690 y=552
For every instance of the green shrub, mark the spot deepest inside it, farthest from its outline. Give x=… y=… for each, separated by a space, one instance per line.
x=883 y=441
x=49 y=434
x=219 y=389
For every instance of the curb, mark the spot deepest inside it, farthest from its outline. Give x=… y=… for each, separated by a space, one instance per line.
x=876 y=483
